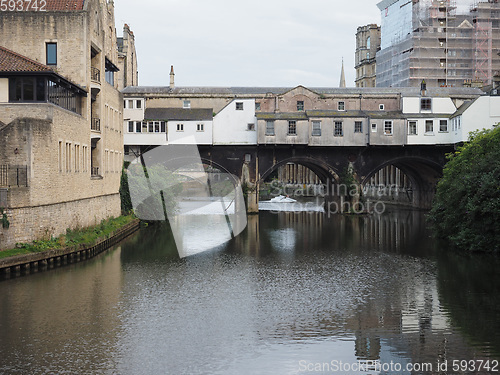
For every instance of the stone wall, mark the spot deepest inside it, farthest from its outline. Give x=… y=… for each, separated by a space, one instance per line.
x=44 y=222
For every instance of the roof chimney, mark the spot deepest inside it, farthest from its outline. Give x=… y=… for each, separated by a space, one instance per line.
x=172 y=85
x=423 y=88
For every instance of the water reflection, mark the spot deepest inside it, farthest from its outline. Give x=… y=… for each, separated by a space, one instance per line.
x=294 y=289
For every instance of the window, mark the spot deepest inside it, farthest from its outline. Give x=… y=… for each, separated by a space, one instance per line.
x=338 y=130
x=180 y=127
x=412 y=127
x=374 y=127
x=157 y=126
x=429 y=126
x=358 y=127
x=341 y=106
x=186 y=104
x=200 y=127
x=388 y=127
x=150 y=127
x=269 y=127
x=130 y=104
x=27 y=89
x=381 y=107
x=60 y=156
x=109 y=73
x=130 y=126
x=425 y=104
x=163 y=125
x=138 y=104
x=124 y=104
x=51 y=53
x=292 y=127
x=316 y=128
x=368 y=44
x=137 y=126
x=251 y=127
x=239 y=106
x=110 y=77
x=300 y=105
x=144 y=127
x=443 y=125
x=257 y=106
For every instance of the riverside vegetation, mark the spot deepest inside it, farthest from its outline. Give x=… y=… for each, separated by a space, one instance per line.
x=466 y=209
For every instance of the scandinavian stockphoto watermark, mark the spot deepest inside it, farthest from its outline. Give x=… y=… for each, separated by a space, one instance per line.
x=204 y=206
x=332 y=197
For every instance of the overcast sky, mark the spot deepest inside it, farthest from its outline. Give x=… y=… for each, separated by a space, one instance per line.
x=245 y=43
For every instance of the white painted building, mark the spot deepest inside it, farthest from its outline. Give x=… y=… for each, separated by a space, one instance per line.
x=481 y=113
x=428 y=120
x=236 y=124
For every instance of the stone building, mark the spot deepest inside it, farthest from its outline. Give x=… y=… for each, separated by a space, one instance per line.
x=367 y=46
x=61 y=138
x=127 y=60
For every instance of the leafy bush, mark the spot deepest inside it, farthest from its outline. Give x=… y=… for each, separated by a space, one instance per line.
x=466 y=208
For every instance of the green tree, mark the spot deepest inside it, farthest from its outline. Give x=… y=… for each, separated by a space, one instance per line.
x=126 y=202
x=466 y=208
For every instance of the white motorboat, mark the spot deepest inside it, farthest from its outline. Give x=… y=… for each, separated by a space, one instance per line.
x=282 y=199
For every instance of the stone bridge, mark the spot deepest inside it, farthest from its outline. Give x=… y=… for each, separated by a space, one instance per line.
x=423 y=165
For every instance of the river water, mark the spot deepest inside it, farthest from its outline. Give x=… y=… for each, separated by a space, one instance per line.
x=296 y=292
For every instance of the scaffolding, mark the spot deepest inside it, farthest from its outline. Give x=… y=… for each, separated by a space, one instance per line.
x=483 y=42
x=446 y=47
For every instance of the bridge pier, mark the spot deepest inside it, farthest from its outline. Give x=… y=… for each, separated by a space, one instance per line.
x=253 y=200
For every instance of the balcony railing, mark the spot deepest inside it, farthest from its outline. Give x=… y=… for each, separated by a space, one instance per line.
x=95 y=124
x=94 y=171
x=95 y=74
x=13 y=176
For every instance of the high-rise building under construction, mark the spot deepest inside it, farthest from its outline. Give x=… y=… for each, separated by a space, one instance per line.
x=444 y=42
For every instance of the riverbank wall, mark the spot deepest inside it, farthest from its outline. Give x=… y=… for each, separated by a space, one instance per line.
x=27 y=263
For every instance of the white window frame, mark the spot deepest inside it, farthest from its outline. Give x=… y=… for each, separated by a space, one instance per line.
x=316 y=128
x=180 y=127
x=292 y=125
x=200 y=127
x=409 y=127
x=239 y=106
x=429 y=132
x=381 y=107
x=338 y=125
x=388 y=130
x=441 y=124
x=360 y=129
x=425 y=100
x=270 y=127
x=186 y=104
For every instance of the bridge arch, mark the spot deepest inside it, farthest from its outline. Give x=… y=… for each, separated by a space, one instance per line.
x=326 y=173
x=423 y=175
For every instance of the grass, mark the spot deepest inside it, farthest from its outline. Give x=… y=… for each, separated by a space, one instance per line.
x=72 y=237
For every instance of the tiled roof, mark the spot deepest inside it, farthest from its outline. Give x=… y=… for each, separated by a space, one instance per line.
x=11 y=61
x=194 y=114
x=65 y=4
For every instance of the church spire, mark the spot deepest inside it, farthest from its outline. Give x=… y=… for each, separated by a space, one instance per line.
x=342 y=75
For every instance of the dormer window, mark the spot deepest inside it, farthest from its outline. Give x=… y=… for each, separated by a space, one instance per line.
x=425 y=104
x=186 y=104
